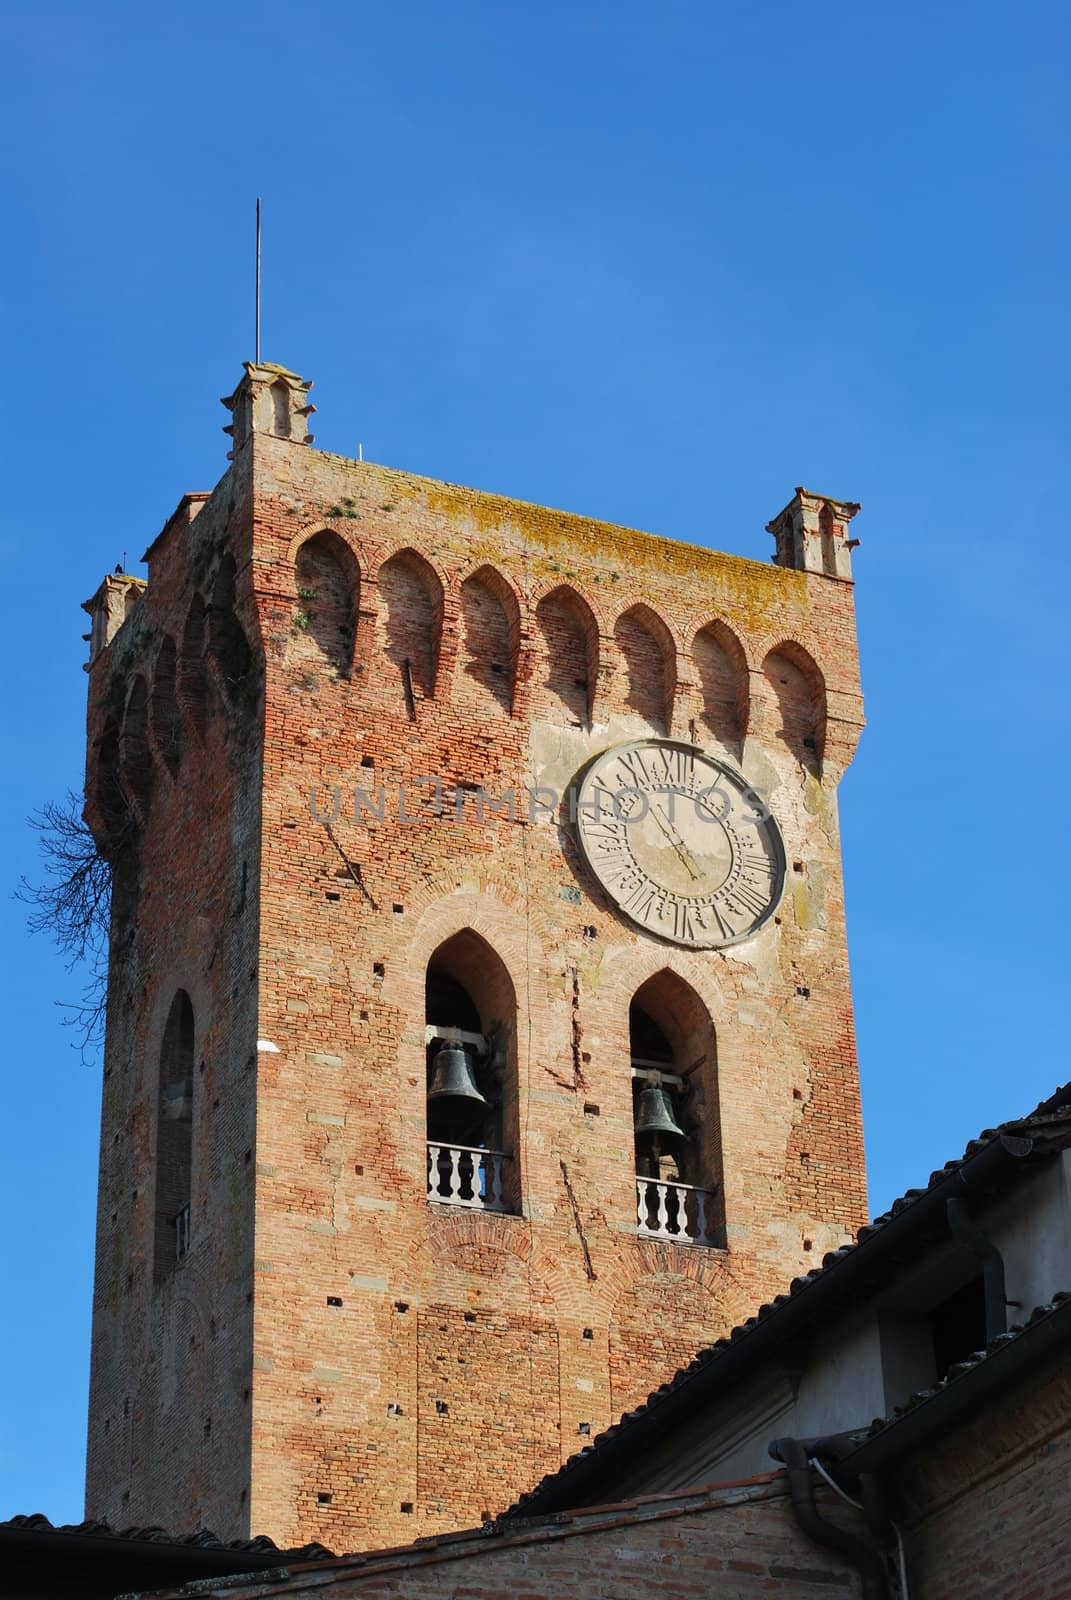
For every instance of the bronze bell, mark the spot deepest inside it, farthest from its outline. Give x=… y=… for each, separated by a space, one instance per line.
x=654 y=1113
x=453 y=1077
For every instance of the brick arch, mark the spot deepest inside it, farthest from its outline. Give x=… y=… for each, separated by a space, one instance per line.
x=592 y=602
x=796 y=701
x=439 y=577
x=501 y=925
x=365 y=556
x=165 y=719
x=507 y=593
x=626 y=967
x=226 y=637
x=566 y=668
x=458 y=1234
x=446 y=911
x=327 y=588
x=661 y=1321
x=470 y=987
x=410 y=599
x=107 y=807
x=720 y=666
x=683 y=1021
x=137 y=768
x=177 y=975
x=490 y=628
x=653 y=621
x=279 y=395
x=193 y=666
x=647 y=651
x=473 y=962
x=509 y=1242
x=694 y=985
x=176 y=1069
x=798 y=649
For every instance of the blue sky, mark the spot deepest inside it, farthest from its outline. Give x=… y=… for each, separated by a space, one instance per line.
x=658 y=264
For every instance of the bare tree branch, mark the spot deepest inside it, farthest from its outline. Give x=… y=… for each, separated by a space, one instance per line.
x=72 y=903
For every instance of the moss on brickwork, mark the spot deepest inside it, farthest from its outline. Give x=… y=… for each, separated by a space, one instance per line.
x=758 y=590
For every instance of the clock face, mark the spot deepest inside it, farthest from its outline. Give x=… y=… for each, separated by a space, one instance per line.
x=680 y=842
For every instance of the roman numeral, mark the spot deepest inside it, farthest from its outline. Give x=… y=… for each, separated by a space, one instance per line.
x=750 y=898
x=673 y=764
x=632 y=761
x=610 y=828
x=639 y=902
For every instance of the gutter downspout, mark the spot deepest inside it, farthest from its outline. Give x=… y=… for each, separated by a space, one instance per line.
x=862 y=1555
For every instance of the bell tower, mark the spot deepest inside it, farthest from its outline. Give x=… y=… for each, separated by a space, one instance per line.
x=479 y=1032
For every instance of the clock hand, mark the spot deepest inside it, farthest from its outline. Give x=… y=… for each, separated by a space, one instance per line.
x=677 y=842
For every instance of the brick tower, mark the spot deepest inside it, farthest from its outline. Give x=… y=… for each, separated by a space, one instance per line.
x=479 y=1028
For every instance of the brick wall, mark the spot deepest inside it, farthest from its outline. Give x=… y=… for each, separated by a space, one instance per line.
x=365 y=1366
x=987 y=1509
x=170 y=1388
x=737 y=1542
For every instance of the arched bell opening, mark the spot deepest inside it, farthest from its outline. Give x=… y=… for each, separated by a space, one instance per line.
x=658 y=1100
x=461 y=1094
x=675 y=1113
x=470 y=1035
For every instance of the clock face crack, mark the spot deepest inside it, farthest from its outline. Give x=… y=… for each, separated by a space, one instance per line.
x=679 y=840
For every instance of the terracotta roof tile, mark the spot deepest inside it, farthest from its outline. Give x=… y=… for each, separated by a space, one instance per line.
x=39 y=1525
x=1044 y=1131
